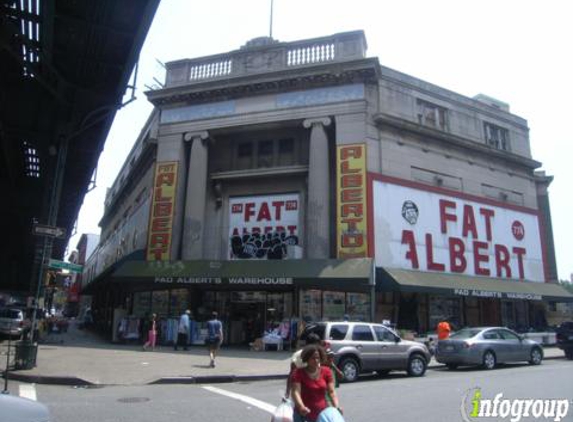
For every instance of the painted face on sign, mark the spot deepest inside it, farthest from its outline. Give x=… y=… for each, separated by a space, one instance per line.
x=410 y=212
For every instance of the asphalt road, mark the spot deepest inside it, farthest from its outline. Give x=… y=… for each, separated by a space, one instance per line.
x=437 y=397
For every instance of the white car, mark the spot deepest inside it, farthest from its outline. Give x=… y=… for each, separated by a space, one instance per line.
x=13 y=322
x=18 y=409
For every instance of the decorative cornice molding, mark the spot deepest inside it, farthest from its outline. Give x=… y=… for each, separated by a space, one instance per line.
x=324 y=121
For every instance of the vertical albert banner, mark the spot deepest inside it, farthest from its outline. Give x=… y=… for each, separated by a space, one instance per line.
x=351 y=206
x=162 y=209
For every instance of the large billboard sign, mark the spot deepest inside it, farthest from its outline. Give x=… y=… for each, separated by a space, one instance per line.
x=262 y=227
x=427 y=230
x=351 y=208
x=162 y=209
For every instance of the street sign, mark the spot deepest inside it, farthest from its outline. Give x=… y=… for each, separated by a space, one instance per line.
x=61 y=265
x=50 y=231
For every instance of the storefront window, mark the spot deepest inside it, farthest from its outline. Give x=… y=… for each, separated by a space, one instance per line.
x=358 y=306
x=141 y=303
x=310 y=305
x=160 y=303
x=179 y=301
x=445 y=307
x=333 y=306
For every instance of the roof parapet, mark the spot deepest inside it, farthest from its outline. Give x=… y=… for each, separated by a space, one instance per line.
x=261 y=57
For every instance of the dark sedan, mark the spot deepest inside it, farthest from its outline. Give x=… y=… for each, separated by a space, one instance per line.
x=487 y=346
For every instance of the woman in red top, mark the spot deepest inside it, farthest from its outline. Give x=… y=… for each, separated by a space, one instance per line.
x=310 y=385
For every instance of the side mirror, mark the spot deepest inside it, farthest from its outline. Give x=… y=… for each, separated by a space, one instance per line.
x=397 y=339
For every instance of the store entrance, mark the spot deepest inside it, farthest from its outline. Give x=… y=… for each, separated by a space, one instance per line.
x=247 y=321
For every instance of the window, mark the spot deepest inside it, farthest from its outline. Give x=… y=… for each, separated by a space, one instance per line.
x=286 y=152
x=338 y=332
x=496 y=136
x=265 y=153
x=245 y=155
x=431 y=115
x=383 y=334
x=362 y=333
x=508 y=335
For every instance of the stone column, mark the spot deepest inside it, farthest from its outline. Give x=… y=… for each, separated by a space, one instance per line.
x=195 y=196
x=318 y=206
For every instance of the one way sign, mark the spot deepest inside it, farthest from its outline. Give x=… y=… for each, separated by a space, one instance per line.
x=50 y=231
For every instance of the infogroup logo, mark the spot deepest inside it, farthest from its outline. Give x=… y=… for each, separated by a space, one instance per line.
x=475 y=407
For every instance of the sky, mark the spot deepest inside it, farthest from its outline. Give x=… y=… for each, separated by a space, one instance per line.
x=517 y=51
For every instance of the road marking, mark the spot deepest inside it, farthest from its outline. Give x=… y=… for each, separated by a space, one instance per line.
x=246 y=399
x=28 y=391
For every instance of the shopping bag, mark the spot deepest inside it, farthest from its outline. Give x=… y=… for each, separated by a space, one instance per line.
x=330 y=414
x=283 y=412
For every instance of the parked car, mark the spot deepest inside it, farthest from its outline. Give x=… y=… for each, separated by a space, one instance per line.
x=13 y=322
x=564 y=336
x=487 y=346
x=18 y=409
x=362 y=347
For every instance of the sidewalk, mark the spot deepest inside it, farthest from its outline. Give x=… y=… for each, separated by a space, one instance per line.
x=80 y=357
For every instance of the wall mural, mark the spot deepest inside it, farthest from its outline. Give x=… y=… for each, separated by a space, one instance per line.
x=271 y=245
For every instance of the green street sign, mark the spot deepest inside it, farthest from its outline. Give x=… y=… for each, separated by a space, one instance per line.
x=61 y=265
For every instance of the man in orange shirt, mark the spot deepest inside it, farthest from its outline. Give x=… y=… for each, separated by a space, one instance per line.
x=444 y=329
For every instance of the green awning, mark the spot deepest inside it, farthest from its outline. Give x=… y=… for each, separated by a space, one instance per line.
x=389 y=279
x=349 y=274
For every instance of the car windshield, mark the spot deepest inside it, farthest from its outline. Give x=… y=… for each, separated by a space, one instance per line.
x=9 y=313
x=465 y=333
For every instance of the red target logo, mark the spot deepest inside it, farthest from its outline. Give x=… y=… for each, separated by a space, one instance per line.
x=518 y=230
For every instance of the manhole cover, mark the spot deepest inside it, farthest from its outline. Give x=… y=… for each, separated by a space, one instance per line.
x=133 y=399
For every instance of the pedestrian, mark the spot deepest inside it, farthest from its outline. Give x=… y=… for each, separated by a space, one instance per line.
x=152 y=333
x=444 y=329
x=337 y=374
x=311 y=384
x=214 y=337
x=183 y=330
x=296 y=361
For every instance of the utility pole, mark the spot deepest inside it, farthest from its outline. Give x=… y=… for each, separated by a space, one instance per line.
x=271 y=23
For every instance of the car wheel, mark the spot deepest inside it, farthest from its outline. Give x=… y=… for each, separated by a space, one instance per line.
x=452 y=365
x=489 y=360
x=417 y=366
x=569 y=354
x=536 y=356
x=350 y=368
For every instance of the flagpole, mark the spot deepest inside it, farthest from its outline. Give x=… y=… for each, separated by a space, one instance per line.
x=271 y=23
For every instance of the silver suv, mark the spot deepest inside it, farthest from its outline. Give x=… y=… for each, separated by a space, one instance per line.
x=365 y=347
x=13 y=322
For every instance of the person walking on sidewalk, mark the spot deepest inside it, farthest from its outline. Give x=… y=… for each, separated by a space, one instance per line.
x=214 y=337
x=444 y=329
x=152 y=333
x=183 y=330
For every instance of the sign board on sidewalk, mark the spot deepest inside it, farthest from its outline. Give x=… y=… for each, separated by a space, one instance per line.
x=50 y=231
x=74 y=268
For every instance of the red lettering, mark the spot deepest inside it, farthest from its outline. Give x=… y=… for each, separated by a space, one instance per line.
x=278 y=208
x=249 y=211
x=520 y=252
x=469 y=222
x=264 y=212
x=411 y=254
x=351 y=152
x=159 y=240
x=480 y=257
x=351 y=181
x=444 y=216
x=162 y=209
x=435 y=266
x=502 y=261
x=487 y=216
x=352 y=240
x=345 y=168
x=160 y=224
x=165 y=179
x=458 y=262
x=351 y=195
x=356 y=209
x=291 y=230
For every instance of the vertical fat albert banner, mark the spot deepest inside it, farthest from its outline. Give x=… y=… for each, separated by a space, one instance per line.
x=162 y=208
x=262 y=227
x=421 y=228
x=351 y=204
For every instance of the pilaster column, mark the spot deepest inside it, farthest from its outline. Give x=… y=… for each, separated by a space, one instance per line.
x=195 y=196
x=318 y=207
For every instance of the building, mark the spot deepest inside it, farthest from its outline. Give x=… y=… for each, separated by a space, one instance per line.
x=303 y=180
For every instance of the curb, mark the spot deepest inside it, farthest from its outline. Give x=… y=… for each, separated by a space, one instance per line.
x=217 y=379
x=50 y=380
